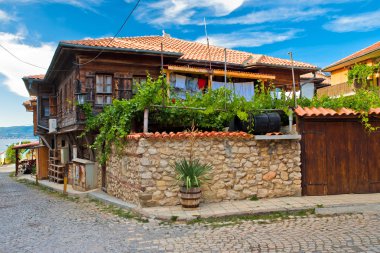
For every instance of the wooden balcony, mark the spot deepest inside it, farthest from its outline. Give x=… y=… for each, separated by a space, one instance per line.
x=336 y=90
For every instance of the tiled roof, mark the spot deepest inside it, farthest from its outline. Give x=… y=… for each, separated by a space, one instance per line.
x=364 y=51
x=27 y=145
x=190 y=50
x=326 y=112
x=320 y=75
x=38 y=77
x=183 y=135
x=269 y=60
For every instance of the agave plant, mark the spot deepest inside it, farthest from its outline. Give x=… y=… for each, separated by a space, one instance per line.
x=192 y=173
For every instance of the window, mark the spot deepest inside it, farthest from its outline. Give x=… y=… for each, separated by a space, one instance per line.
x=103 y=90
x=124 y=88
x=45 y=107
x=90 y=89
x=139 y=80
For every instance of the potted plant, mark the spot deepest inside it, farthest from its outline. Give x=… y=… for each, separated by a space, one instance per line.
x=192 y=174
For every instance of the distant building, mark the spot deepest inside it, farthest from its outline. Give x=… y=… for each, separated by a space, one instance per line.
x=339 y=71
x=313 y=81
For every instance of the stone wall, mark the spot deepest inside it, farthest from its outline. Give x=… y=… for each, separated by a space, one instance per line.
x=242 y=168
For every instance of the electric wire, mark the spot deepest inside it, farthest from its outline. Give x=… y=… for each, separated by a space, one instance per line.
x=114 y=37
x=78 y=64
x=21 y=60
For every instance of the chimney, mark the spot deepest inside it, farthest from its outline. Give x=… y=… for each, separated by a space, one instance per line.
x=164 y=34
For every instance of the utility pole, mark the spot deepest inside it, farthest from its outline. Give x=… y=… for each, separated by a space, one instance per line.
x=294 y=80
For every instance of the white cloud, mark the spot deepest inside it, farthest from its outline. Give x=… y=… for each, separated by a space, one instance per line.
x=5 y=17
x=12 y=69
x=184 y=12
x=248 y=38
x=273 y=15
x=85 y=4
x=356 y=23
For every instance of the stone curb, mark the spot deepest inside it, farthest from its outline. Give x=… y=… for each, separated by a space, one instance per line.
x=107 y=199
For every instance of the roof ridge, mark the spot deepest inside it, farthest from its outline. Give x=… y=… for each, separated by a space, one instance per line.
x=351 y=55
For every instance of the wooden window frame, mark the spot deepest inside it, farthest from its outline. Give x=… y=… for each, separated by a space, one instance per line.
x=121 y=87
x=45 y=105
x=104 y=93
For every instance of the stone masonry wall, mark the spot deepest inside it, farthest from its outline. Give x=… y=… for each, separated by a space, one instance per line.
x=242 y=168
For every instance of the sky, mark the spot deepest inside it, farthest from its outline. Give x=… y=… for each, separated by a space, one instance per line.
x=316 y=31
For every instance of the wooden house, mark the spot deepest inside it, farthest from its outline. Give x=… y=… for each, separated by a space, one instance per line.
x=339 y=71
x=97 y=71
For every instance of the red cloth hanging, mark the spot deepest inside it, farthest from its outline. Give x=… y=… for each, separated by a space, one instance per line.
x=201 y=83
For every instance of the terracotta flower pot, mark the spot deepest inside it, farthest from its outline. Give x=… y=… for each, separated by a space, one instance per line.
x=190 y=197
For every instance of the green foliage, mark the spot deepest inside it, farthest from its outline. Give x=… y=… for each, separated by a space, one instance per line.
x=215 y=110
x=362 y=101
x=360 y=73
x=192 y=173
x=254 y=198
x=10 y=153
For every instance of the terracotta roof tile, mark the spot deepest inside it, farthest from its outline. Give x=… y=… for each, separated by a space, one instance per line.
x=326 y=112
x=364 y=51
x=319 y=75
x=185 y=135
x=190 y=50
x=27 y=145
x=269 y=60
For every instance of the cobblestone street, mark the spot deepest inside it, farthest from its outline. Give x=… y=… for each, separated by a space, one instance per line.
x=34 y=221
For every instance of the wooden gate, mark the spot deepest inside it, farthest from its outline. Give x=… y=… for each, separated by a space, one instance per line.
x=339 y=156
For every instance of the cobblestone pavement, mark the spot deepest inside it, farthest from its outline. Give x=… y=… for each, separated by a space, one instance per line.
x=33 y=221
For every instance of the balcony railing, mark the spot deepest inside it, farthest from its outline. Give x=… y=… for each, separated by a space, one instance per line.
x=336 y=90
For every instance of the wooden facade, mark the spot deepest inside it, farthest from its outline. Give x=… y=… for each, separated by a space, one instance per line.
x=112 y=76
x=339 y=156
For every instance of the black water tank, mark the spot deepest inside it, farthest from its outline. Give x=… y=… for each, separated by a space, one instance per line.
x=267 y=123
x=263 y=123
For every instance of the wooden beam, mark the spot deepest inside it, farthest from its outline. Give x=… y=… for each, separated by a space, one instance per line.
x=220 y=72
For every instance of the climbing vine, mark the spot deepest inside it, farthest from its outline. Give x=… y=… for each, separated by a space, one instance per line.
x=213 y=110
x=360 y=73
x=362 y=101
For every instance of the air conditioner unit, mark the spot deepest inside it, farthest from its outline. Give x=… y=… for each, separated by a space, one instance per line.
x=52 y=125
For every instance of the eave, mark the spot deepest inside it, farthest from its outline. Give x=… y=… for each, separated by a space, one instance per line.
x=372 y=54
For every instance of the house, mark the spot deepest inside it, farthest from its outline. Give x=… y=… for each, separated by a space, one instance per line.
x=2 y=157
x=339 y=70
x=96 y=71
x=313 y=81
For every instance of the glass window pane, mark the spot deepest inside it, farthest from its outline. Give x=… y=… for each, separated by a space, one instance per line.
x=108 y=88
x=99 y=79
x=108 y=100
x=99 y=100
x=108 y=79
x=46 y=111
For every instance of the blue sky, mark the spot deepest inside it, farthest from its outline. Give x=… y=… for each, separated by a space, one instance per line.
x=316 y=31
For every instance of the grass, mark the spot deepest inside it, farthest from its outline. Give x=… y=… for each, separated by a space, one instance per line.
x=47 y=190
x=260 y=218
x=254 y=198
x=320 y=205
x=120 y=212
